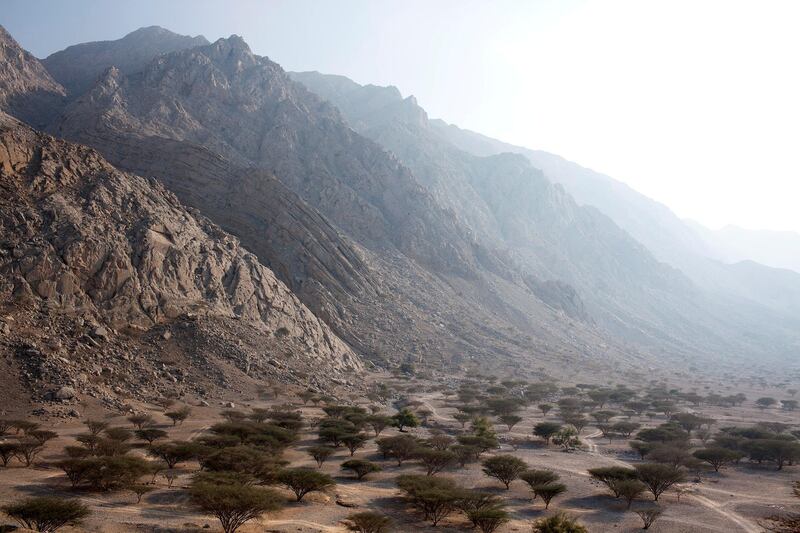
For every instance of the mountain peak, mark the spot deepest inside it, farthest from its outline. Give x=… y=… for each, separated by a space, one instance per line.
x=157 y=31
x=78 y=67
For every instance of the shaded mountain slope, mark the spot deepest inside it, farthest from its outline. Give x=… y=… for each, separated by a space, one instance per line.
x=625 y=287
x=26 y=89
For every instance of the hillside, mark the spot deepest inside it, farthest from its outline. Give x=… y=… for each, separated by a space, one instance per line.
x=111 y=257
x=385 y=265
x=501 y=197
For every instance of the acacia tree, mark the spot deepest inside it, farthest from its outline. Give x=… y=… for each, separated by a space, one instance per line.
x=504 y=468
x=490 y=519
x=47 y=513
x=435 y=460
x=610 y=476
x=368 y=522
x=234 y=504
x=302 y=481
x=649 y=516
x=178 y=416
x=320 y=454
x=546 y=430
x=400 y=447
x=558 y=523
x=549 y=491
x=718 y=457
x=658 y=477
x=173 y=453
x=405 y=418
x=140 y=420
x=629 y=489
x=510 y=420
x=360 y=468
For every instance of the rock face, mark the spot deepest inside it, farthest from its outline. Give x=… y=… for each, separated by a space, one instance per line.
x=78 y=67
x=121 y=250
x=26 y=89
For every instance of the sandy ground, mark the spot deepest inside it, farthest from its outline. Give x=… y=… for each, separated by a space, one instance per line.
x=731 y=502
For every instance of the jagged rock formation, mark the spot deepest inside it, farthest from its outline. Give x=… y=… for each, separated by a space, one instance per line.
x=26 y=89
x=88 y=242
x=78 y=67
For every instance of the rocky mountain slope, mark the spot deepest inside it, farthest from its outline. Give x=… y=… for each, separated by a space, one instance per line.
x=26 y=88
x=501 y=194
x=345 y=225
x=85 y=244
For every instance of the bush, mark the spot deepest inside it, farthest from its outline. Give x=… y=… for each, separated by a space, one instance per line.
x=368 y=522
x=47 y=513
x=234 y=504
x=558 y=523
x=360 y=468
x=505 y=468
x=302 y=481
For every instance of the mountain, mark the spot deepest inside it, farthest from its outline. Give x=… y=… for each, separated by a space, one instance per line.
x=26 y=88
x=78 y=67
x=732 y=244
x=99 y=267
x=501 y=195
x=684 y=244
x=407 y=246
x=340 y=220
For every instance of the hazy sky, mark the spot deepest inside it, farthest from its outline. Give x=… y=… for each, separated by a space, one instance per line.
x=694 y=103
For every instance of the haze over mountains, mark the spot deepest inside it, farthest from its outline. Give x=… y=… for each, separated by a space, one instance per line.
x=405 y=238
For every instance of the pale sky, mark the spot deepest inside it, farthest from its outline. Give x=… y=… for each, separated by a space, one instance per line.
x=694 y=103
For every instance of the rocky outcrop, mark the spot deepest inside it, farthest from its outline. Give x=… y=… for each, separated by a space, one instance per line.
x=26 y=89
x=118 y=249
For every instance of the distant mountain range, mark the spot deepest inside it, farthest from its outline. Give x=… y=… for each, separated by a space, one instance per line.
x=409 y=240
